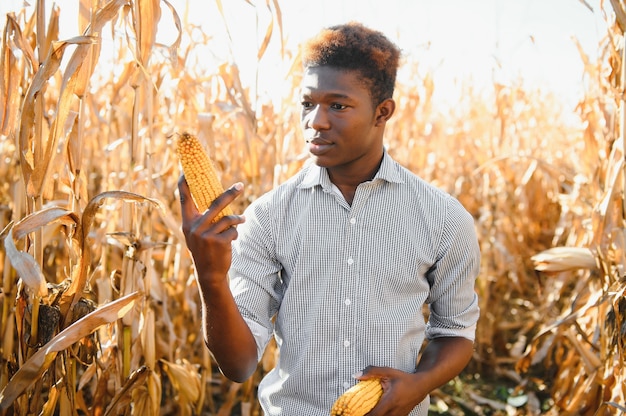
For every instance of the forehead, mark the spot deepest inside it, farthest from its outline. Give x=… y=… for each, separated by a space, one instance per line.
x=324 y=79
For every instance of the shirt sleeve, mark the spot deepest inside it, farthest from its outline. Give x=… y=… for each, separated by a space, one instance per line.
x=261 y=335
x=255 y=275
x=453 y=303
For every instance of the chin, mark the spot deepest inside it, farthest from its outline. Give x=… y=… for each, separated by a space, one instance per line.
x=319 y=161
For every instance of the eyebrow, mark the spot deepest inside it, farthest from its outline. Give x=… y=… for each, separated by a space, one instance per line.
x=331 y=95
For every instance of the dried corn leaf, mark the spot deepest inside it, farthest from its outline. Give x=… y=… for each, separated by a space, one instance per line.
x=39 y=362
x=75 y=80
x=52 y=34
x=220 y=8
x=535 y=354
x=36 y=87
x=594 y=299
x=279 y=19
x=26 y=266
x=84 y=71
x=185 y=378
x=589 y=358
x=42 y=218
x=620 y=14
x=155 y=390
x=148 y=338
x=173 y=48
x=607 y=214
x=142 y=405
x=135 y=380
x=84 y=13
x=14 y=33
x=147 y=16
x=50 y=405
x=580 y=395
x=10 y=84
x=72 y=85
x=615 y=405
x=230 y=400
x=74 y=157
x=88 y=374
x=268 y=34
x=80 y=277
x=8 y=333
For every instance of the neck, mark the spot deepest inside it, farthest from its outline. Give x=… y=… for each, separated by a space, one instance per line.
x=347 y=180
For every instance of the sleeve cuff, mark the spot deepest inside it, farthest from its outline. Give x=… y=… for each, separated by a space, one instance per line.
x=261 y=335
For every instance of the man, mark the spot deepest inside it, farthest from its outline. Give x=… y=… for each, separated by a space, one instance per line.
x=337 y=262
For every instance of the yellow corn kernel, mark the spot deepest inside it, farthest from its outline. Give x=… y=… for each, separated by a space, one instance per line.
x=359 y=399
x=200 y=173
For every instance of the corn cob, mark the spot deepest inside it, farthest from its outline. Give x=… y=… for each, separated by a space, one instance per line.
x=359 y=399
x=200 y=173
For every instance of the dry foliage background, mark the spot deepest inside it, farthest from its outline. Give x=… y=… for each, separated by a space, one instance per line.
x=99 y=304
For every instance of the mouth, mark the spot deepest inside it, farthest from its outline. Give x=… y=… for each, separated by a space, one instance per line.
x=318 y=147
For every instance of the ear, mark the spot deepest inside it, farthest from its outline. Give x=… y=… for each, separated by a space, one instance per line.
x=384 y=111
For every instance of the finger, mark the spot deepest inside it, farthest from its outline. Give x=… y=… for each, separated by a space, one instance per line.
x=367 y=372
x=225 y=199
x=188 y=207
x=224 y=225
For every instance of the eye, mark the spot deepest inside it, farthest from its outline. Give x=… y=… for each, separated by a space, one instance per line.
x=337 y=106
x=306 y=104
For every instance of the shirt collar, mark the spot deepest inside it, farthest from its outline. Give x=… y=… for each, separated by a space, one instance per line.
x=317 y=175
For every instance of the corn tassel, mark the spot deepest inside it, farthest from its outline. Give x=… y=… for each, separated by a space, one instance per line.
x=200 y=173
x=359 y=399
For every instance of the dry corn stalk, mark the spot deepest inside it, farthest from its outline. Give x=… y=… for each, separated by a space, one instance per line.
x=359 y=399
x=200 y=173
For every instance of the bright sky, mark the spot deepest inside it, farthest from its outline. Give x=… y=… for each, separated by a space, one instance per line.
x=456 y=40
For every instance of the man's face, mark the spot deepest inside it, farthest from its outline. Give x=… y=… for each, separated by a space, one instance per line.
x=339 y=119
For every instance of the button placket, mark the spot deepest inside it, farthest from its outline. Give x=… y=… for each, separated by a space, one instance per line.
x=351 y=276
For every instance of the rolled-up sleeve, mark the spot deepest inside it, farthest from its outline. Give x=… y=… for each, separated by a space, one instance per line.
x=453 y=302
x=255 y=276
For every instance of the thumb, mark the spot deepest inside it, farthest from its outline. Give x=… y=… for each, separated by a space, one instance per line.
x=370 y=372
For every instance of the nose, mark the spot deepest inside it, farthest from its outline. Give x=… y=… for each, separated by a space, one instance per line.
x=316 y=118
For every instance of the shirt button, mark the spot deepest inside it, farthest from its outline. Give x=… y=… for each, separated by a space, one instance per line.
x=352 y=220
x=346 y=343
x=347 y=302
x=350 y=261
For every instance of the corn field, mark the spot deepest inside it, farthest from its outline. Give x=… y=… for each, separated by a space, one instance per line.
x=100 y=312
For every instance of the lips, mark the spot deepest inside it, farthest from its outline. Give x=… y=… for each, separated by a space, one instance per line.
x=318 y=147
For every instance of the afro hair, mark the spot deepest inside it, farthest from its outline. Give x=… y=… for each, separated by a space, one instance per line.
x=354 y=47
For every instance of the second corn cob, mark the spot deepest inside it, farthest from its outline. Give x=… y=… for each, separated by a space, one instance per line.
x=200 y=173
x=359 y=399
